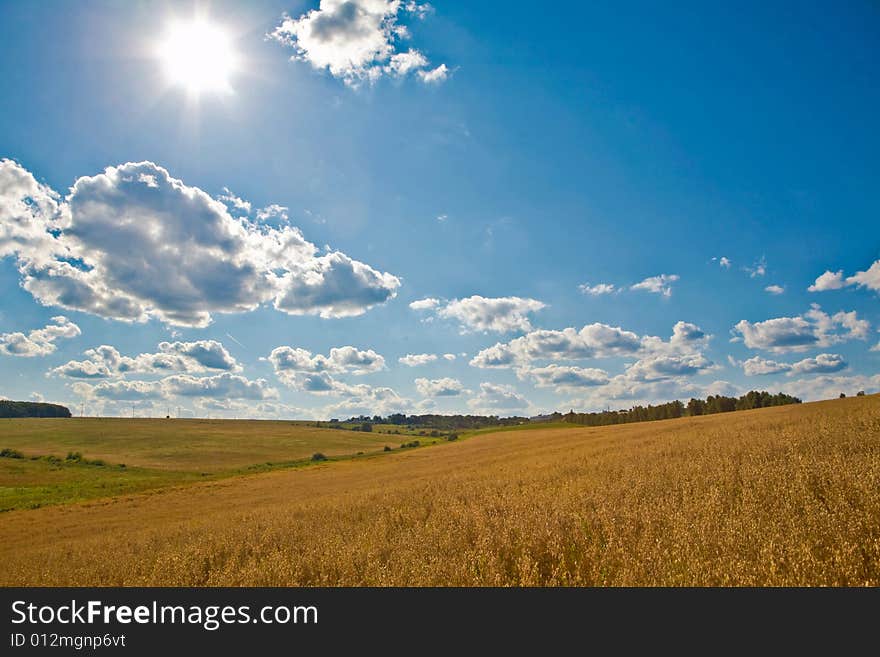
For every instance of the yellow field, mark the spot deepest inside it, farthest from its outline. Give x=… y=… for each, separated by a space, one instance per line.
x=781 y=496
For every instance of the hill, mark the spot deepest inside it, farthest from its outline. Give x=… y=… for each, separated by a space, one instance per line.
x=777 y=496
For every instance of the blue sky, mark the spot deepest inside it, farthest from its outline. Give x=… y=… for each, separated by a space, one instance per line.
x=508 y=162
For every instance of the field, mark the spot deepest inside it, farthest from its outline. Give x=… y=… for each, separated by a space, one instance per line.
x=144 y=454
x=781 y=496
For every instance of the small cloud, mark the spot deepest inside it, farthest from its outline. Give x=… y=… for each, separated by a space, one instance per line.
x=758 y=269
x=830 y=280
x=596 y=290
x=661 y=284
x=774 y=289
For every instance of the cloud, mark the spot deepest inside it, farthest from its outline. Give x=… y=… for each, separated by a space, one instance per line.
x=814 y=328
x=133 y=243
x=560 y=376
x=220 y=386
x=592 y=341
x=495 y=397
x=39 y=342
x=661 y=367
x=297 y=367
x=869 y=278
x=477 y=313
x=358 y=40
x=758 y=269
x=445 y=387
x=368 y=400
x=233 y=202
x=425 y=304
x=596 y=290
x=661 y=284
x=774 y=289
x=821 y=364
x=724 y=262
x=449 y=357
x=414 y=360
x=187 y=357
x=828 y=281
x=829 y=387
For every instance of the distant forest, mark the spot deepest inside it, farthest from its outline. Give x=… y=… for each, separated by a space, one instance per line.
x=31 y=409
x=712 y=404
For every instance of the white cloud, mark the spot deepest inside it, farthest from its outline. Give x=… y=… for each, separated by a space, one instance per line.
x=186 y=357
x=357 y=40
x=428 y=303
x=774 y=289
x=814 y=328
x=561 y=376
x=39 y=342
x=233 y=202
x=758 y=269
x=661 y=367
x=821 y=364
x=830 y=280
x=132 y=250
x=449 y=357
x=298 y=368
x=661 y=284
x=445 y=387
x=869 y=278
x=724 y=262
x=757 y=366
x=477 y=313
x=829 y=387
x=596 y=290
x=592 y=341
x=220 y=386
x=414 y=360
x=498 y=398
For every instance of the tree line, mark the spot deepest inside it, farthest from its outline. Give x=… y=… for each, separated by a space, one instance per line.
x=10 y=409
x=712 y=404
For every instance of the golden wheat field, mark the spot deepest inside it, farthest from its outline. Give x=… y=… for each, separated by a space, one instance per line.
x=782 y=496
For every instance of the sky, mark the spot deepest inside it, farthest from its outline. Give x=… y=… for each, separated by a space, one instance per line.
x=322 y=209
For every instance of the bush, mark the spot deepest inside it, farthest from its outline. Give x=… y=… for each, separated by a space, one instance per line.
x=74 y=456
x=843 y=395
x=10 y=453
x=435 y=433
x=317 y=456
x=452 y=437
x=366 y=426
x=860 y=393
x=387 y=448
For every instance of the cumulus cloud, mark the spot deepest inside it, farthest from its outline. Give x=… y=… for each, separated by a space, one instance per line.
x=830 y=280
x=220 y=386
x=592 y=341
x=821 y=364
x=661 y=284
x=301 y=369
x=186 y=357
x=561 y=376
x=449 y=357
x=829 y=387
x=497 y=398
x=134 y=243
x=358 y=40
x=596 y=290
x=477 y=313
x=445 y=387
x=414 y=360
x=428 y=303
x=660 y=367
x=814 y=328
x=39 y=342
x=870 y=278
x=774 y=289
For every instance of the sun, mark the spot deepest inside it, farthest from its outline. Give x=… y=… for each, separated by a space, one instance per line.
x=199 y=56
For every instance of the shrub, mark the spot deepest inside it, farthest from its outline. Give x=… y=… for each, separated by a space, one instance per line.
x=317 y=456
x=74 y=456
x=10 y=453
x=387 y=448
x=451 y=437
x=435 y=433
x=366 y=426
x=860 y=393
